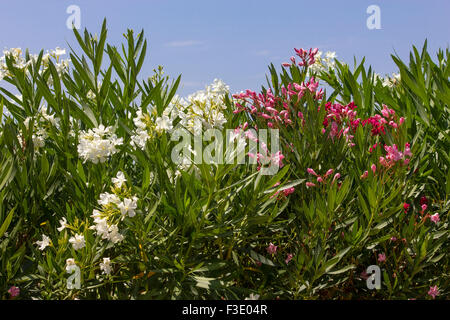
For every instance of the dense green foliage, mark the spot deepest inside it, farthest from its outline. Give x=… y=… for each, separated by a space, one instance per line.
x=209 y=231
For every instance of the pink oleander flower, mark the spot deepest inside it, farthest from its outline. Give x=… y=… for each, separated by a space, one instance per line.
x=311 y=171
x=365 y=175
x=272 y=249
x=289 y=258
x=393 y=124
x=14 y=291
x=408 y=150
x=310 y=184
x=435 y=218
x=424 y=207
x=393 y=153
x=381 y=257
x=433 y=292
x=364 y=275
x=277 y=159
x=401 y=120
x=288 y=191
x=319 y=179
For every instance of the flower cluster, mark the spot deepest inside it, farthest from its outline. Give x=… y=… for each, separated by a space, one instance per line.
x=341 y=119
x=389 y=82
x=266 y=158
x=275 y=110
x=115 y=207
x=98 y=144
x=320 y=179
x=308 y=58
x=42 y=123
x=393 y=156
x=203 y=108
x=323 y=63
x=283 y=193
x=141 y=134
x=20 y=62
x=378 y=122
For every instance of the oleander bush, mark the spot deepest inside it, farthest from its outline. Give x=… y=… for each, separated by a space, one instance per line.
x=88 y=179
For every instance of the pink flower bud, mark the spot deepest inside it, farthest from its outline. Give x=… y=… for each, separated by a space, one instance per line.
x=311 y=171
x=336 y=176
x=374 y=168
x=330 y=171
x=310 y=184
x=289 y=258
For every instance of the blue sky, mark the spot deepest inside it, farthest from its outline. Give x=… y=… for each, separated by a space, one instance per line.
x=234 y=40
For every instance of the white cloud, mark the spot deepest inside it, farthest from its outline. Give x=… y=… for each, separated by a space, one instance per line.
x=262 y=53
x=184 y=43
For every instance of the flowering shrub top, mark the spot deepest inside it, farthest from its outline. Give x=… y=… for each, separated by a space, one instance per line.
x=88 y=185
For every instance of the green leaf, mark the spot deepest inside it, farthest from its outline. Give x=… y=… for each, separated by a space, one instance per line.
x=7 y=222
x=261 y=258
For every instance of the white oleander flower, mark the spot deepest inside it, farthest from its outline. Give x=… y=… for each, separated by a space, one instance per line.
x=78 y=241
x=119 y=179
x=128 y=206
x=107 y=198
x=101 y=227
x=105 y=266
x=44 y=243
x=97 y=144
x=58 y=52
x=163 y=124
x=203 y=108
x=323 y=63
x=63 y=223
x=90 y=95
x=330 y=55
x=140 y=138
x=70 y=262
x=114 y=235
x=253 y=297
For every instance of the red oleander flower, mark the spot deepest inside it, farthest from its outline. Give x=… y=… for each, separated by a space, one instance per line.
x=423 y=200
x=406 y=207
